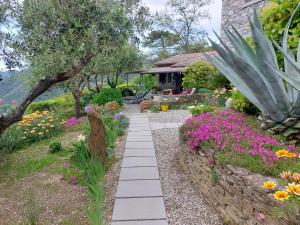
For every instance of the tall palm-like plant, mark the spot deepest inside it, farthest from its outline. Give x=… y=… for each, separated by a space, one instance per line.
x=255 y=72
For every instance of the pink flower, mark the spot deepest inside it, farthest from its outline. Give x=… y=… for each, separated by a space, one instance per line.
x=14 y=102
x=1 y=101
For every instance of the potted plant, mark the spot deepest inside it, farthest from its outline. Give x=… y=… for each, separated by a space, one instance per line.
x=164 y=107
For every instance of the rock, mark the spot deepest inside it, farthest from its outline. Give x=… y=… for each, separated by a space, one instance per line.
x=228 y=103
x=96 y=137
x=146 y=104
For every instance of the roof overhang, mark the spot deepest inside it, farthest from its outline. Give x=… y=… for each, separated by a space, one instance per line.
x=158 y=70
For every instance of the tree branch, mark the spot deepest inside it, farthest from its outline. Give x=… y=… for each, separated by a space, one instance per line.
x=42 y=86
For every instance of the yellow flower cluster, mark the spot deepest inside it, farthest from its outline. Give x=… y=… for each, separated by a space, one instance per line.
x=219 y=92
x=292 y=189
x=282 y=153
x=37 y=124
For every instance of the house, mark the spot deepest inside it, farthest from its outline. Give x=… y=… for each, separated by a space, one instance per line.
x=237 y=13
x=170 y=70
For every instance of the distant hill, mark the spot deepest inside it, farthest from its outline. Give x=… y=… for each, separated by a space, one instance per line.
x=14 y=85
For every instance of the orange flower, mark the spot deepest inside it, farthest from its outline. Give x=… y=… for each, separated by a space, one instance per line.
x=286 y=175
x=291 y=155
x=282 y=153
x=296 y=177
x=269 y=185
x=293 y=188
x=281 y=195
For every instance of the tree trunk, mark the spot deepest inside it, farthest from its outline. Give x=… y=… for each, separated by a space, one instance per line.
x=41 y=87
x=77 y=105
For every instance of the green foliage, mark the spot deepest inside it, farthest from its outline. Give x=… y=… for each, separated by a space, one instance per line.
x=290 y=212
x=32 y=209
x=274 y=18
x=54 y=104
x=155 y=108
x=200 y=109
x=93 y=175
x=214 y=177
x=241 y=104
x=217 y=80
x=55 y=146
x=107 y=95
x=197 y=75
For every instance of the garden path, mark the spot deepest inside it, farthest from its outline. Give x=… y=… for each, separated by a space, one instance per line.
x=139 y=198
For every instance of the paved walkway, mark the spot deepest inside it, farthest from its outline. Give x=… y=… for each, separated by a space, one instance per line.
x=139 y=198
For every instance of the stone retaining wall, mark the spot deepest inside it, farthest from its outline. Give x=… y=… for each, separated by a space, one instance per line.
x=236 y=193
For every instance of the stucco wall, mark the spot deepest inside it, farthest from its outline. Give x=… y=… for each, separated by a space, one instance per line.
x=237 y=12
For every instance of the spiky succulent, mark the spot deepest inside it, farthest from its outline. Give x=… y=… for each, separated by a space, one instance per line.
x=255 y=73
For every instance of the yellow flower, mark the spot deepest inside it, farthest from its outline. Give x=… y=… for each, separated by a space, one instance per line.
x=51 y=126
x=293 y=188
x=282 y=153
x=296 y=177
x=33 y=131
x=281 y=195
x=269 y=185
x=291 y=155
x=41 y=133
x=286 y=175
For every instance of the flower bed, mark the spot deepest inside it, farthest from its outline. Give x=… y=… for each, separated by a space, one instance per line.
x=230 y=158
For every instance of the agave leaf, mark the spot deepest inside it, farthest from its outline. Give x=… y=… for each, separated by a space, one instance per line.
x=289 y=59
x=263 y=46
x=235 y=80
x=253 y=80
x=290 y=131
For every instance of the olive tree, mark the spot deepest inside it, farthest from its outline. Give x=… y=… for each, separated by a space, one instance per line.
x=56 y=39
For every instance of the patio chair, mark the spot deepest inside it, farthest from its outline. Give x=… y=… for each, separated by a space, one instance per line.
x=135 y=99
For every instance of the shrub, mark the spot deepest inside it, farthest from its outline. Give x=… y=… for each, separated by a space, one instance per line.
x=54 y=104
x=154 y=108
x=108 y=95
x=241 y=104
x=199 y=73
x=200 y=109
x=55 y=147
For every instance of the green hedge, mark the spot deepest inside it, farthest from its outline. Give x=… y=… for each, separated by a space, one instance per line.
x=108 y=95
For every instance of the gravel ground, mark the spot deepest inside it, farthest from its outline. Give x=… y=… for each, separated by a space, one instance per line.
x=184 y=204
x=172 y=116
x=112 y=178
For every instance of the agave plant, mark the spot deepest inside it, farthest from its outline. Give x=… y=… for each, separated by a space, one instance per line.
x=255 y=73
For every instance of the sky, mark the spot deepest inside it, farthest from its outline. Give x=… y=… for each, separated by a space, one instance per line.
x=214 y=23
x=215 y=9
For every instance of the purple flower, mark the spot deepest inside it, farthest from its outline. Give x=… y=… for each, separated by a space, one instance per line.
x=72 y=121
x=1 y=101
x=117 y=116
x=14 y=102
x=87 y=109
x=73 y=180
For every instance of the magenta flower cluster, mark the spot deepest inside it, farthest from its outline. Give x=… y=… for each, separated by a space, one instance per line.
x=229 y=131
x=72 y=121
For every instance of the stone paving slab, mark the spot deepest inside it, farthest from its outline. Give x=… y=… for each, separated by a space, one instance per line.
x=131 y=152
x=139 y=129
x=139 y=173
x=139 y=209
x=141 y=222
x=139 y=133
x=139 y=161
x=140 y=125
x=139 y=188
x=140 y=138
x=139 y=145
x=172 y=125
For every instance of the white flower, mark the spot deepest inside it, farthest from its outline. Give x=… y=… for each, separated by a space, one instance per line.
x=191 y=107
x=81 y=138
